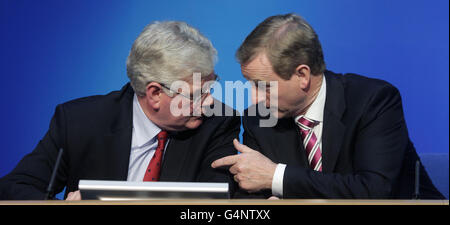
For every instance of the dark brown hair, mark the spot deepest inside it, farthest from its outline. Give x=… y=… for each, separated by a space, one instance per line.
x=288 y=41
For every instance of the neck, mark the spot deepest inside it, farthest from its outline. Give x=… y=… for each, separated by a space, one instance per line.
x=311 y=95
x=148 y=113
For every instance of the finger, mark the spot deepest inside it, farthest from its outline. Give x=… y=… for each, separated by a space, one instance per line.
x=74 y=196
x=234 y=169
x=240 y=147
x=273 y=198
x=77 y=195
x=235 y=177
x=225 y=161
x=69 y=196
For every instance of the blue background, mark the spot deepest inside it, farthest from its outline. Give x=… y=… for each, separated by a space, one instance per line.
x=55 y=51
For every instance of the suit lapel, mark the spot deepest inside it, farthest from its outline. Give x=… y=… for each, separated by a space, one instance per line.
x=291 y=150
x=118 y=147
x=175 y=156
x=118 y=141
x=333 y=128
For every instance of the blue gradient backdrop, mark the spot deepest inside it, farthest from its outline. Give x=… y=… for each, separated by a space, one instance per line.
x=55 y=51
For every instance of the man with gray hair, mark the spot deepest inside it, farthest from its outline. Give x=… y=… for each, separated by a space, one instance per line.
x=134 y=134
x=338 y=136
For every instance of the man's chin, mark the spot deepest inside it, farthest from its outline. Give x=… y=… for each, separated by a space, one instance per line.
x=280 y=114
x=194 y=122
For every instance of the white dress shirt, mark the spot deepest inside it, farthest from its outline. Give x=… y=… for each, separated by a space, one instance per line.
x=143 y=143
x=315 y=112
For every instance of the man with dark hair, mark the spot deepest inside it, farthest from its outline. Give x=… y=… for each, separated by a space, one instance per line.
x=338 y=136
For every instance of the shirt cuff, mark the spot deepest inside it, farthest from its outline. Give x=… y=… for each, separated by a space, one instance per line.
x=277 y=181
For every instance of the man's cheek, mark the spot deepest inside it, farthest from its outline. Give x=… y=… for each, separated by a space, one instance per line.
x=180 y=106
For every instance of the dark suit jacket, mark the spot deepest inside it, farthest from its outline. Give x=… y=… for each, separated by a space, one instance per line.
x=95 y=133
x=366 y=151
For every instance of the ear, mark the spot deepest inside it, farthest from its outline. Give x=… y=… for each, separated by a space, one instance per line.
x=153 y=95
x=303 y=74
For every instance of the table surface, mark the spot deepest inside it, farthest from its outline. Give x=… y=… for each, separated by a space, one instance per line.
x=233 y=202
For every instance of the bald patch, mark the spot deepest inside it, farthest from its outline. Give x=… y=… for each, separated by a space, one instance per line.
x=285 y=28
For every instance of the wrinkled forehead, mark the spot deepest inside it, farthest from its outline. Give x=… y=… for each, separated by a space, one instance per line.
x=196 y=81
x=190 y=79
x=259 y=68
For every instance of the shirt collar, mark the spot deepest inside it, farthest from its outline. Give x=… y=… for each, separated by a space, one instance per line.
x=144 y=129
x=315 y=111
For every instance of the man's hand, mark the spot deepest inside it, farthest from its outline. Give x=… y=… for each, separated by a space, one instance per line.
x=74 y=196
x=252 y=170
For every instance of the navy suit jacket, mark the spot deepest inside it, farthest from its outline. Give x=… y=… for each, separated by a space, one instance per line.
x=366 y=151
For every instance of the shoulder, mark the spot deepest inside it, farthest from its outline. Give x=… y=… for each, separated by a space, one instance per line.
x=360 y=86
x=96 y=102
x=98 y=111
x=364 y=98
x=359 y=93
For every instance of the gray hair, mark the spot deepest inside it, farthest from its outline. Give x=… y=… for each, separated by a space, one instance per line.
x=288 y=41
x=166 y=52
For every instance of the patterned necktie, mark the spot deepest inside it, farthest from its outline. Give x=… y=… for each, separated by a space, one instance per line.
x=311 y=143
x=154 y=167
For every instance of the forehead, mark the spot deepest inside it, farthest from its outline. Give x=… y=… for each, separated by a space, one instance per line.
x=190 y=79
x=259 y=68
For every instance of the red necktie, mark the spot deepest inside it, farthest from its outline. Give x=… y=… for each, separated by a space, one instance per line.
x=310 y=142
x=154 y=167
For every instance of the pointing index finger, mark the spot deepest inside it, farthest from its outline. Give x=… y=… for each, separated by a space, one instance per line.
x=225 y=161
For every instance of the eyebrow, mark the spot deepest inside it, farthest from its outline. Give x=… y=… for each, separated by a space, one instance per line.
x=254 y=80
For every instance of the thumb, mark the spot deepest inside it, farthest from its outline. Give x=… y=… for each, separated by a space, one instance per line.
x=240 y=147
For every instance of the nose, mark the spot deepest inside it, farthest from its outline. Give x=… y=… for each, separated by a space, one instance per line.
x=202 y=105
x=254 y=95
x=209 y=100
x=258 y=96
